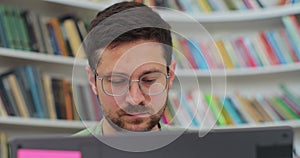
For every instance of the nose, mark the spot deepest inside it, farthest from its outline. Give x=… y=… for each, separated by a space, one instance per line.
x=135 y=96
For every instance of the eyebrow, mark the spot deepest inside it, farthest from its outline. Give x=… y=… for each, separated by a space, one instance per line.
x=120 y=73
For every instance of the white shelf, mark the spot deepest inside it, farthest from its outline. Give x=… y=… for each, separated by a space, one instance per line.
x=87 y=4
x=44 y=123
x=70 y=61
x=240 y=71
x=229 y=16
x=292 y=123
x=235 y=16
x=27 y=55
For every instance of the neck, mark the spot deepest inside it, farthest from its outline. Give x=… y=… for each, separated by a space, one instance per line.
x=109 y=128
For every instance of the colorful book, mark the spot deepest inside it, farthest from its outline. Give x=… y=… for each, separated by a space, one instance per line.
x=187 y=103
x=225 y=57
x=270 y=35
x=57 y=34
x=293 y=29
x=197 y=55
x=270 y=53
x=232 y=111
x=187 y=53
x=216 y=109
x=35 y=91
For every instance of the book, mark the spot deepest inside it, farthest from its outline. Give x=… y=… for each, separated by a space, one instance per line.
x=250 y=109
x=269 y=103
x=188 y=102
x=8 y=95
x=57 y=35
x=181 y=63
x=267 y=46
x=270 y=35
x=260 y=50
x=225 y=57
x=252 y=52
x=231 y=53
x=45 y=34
x=232 y=111
x=22 y=31
x=26 y=92
x=16 y=30
x=208 y=56
x=216 y=109
x=204 y=5
x=288 y=43
x=207 y=118
x=179 y=112
x=5 y=100
x=259 y=108
x=225 y=113
x=187 y=53
x=230 y=4
x=35 y=91
x=4 y=145
x=35 y=32
x=59 y=98
x=293 y=29
x=3 y=38
x=3 y=112
x=6 y=21
x=72 y=35
x=266 y=106
x=280 y=110
x=242 y=46
x=47 y=83
x=18 y=96
x=197 y=54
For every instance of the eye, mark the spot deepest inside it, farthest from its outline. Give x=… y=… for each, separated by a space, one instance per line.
x=149 y=80
x=117 y=80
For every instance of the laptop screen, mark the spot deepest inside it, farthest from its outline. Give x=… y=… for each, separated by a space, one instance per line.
x=41 y=153
x=270 y=142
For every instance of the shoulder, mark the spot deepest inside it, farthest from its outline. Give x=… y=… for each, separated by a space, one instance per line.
x=93 y=130
x=165 y=127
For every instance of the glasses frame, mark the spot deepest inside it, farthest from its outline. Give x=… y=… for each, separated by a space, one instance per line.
x=167 y=76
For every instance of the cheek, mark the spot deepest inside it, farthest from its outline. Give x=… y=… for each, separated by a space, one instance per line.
x=109 y=102
x=158 y=102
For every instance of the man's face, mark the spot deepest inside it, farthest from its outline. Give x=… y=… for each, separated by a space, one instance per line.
x=134 y=110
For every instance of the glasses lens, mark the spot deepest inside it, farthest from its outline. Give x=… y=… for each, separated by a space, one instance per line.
x=153 y=83
x=115 y=84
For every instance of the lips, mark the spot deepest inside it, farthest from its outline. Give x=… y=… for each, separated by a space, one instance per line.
x=138 y=115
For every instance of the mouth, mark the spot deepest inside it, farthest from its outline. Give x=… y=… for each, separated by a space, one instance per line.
x=137 y=115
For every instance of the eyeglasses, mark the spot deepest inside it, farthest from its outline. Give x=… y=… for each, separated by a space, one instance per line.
x=151 y=84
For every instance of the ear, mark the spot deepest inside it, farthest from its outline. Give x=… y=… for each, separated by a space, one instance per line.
x=172 y=73
x=91 y=77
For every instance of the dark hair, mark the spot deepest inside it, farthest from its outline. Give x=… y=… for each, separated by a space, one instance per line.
x=126 y=22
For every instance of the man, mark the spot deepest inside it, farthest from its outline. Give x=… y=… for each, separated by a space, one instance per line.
x=129 y=48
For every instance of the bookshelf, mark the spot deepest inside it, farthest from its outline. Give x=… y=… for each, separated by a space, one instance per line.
x=219 y=24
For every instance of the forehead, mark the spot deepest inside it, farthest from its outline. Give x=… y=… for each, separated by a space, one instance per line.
x=129 y=57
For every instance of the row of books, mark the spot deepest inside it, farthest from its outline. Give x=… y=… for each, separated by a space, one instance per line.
x=264 y=48
x=27 y=92
x=207 y=6
x=29 y=31
x=194 y=107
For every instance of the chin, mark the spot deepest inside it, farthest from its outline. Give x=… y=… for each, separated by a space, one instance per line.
x=138 y=125
x=136 y=128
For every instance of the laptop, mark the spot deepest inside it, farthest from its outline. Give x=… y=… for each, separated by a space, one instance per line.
x=267 y=142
